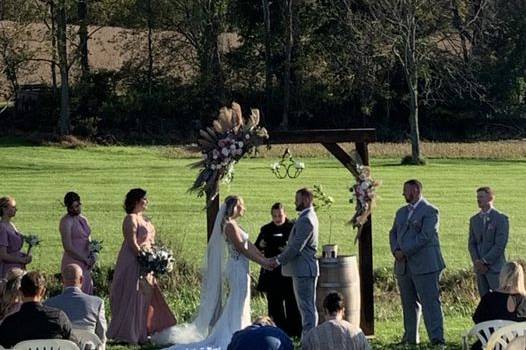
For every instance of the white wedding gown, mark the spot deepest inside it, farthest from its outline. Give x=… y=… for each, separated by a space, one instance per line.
x=233 y=314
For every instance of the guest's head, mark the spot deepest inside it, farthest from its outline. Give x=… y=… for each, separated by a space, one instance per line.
x=485 y=196
x=333 y=304
x=135 y=201
x=72 y=276
x=264 y=321
x=7 y=208
x=304 y=198
x=412 y=191
x=278 y=214
x=511 y=278
x=72 y=203
x=33 y=286
x=234 y=207
x=10 y=290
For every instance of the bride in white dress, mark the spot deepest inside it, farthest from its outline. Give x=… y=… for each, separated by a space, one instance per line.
x=225 y=289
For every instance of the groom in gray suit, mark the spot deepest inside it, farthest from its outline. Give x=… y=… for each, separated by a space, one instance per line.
x=418 y=264
x=488 y=236
x=298 y=260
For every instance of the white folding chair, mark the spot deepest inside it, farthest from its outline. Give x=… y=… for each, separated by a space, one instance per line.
x=87 y=339
x=503 y=336
x=482 y=331
x=518 y=343
x=46 y=344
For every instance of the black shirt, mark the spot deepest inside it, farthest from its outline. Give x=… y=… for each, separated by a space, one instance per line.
x=272 y=239
x=34 y=321
x=494 y=306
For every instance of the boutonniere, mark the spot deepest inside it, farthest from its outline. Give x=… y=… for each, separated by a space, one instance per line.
x=491 y=226
x=416 y=224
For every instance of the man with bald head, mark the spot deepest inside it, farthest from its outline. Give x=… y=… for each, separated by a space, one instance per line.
x=84 y=311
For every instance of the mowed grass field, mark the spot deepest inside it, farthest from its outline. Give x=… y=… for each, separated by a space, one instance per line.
x=38 y=177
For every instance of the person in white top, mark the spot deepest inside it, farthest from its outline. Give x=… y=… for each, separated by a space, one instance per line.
x=488 y=236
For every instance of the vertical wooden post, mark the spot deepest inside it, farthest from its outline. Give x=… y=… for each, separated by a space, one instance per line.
x=212 y=208
x=365 y=256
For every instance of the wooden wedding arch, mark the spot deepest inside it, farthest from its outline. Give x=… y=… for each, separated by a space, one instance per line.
x=329 y=139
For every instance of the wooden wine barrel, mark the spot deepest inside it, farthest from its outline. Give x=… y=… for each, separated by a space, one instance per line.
x=340 y=275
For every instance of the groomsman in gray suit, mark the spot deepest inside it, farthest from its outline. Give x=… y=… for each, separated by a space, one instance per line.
x=298 y=259
x=83 y=310
x=418 y=264
x=488 y=236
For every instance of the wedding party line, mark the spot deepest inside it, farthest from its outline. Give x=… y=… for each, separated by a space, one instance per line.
x=286 y=250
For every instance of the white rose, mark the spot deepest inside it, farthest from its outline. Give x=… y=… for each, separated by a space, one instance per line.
x=247 y=136
x=364 y=185
x=225 y=152
x=233 y=147
x=240 y=144
x=213 y=167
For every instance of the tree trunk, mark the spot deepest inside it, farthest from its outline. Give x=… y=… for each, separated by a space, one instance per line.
x=53 y=14
x=63 y=122
x=289 y=40
x=83 y=37
x=268 y=58
x=413 y=122
x=150 y=47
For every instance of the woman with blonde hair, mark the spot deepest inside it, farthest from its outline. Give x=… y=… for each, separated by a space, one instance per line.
x=225 y=288
x=10 y=239
x=10 y=295
x=508 y=302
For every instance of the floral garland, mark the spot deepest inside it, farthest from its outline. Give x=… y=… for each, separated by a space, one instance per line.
x=223 y=145
x=363 y=194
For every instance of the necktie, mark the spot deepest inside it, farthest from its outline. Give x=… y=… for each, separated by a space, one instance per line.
x=410 y=209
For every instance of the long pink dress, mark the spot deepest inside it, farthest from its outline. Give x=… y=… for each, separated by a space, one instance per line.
x=12 y=240
x=80 y=232
x=136 y=311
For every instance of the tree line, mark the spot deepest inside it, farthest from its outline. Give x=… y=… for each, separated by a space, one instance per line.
x=411 y=68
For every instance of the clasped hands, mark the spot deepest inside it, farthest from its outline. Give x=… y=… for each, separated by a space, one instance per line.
x=399 y=255
x=480 y=267
x=270 y=263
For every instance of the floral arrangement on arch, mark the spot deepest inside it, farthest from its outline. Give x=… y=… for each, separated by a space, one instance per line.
x=223 y=145
x=363 y=193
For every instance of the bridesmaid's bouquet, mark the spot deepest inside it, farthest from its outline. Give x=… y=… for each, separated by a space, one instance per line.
x=94 y=246
x=157 y=260
x=31 y=241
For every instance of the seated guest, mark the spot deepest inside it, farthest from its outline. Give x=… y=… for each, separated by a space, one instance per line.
x=83 y=310
x=34 y=320
x=10 y=296
x=335 y=333
x=508 y=302
x=261 y=335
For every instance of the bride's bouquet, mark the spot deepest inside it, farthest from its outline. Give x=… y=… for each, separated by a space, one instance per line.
x=31 y=241
x=157 y=260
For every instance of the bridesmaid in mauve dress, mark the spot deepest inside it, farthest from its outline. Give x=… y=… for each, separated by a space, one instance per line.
x=10 y=239
x=138 y=308
x=75 y=233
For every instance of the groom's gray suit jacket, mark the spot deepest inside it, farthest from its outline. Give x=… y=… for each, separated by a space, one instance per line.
x=299 y=257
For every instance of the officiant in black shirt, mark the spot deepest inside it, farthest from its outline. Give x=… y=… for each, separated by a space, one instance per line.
x=282 y=306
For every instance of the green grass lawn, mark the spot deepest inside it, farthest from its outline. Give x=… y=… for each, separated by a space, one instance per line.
x=38 y=177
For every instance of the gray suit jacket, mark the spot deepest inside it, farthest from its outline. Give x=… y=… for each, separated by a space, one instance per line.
x=299 y=257
x=489 y=245
x=417 y=238
x=83 y=310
